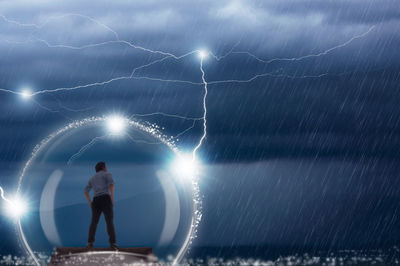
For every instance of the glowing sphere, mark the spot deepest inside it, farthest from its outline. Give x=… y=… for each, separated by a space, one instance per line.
x=203 y=54
x=164 y=207
x=185 y=166
x=116 y=124
x=16 y=208
x=26 y=94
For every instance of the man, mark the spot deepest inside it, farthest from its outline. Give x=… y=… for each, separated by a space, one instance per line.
x=102 y=184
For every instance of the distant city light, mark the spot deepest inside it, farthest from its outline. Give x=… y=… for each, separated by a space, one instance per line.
x=116 y=124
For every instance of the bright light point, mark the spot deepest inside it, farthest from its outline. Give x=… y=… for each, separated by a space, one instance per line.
x=185 y=166
x=116 y=124
x=203 y=54
x=26 y=94
x=16 y=208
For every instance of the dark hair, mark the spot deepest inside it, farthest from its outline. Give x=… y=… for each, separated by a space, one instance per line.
x=100 y=166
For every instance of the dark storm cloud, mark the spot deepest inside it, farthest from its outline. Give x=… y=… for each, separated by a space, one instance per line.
x=266 y=118
x=273 y=27
x=181 y=25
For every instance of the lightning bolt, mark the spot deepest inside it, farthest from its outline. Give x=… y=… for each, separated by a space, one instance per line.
x=85 y=148
x=186 y=130
x=131 y=76
x=72 y=109
x=301 y=57
x=218 y=58
x=97 y=139
x=3 y=197
x=116 y=35
x=166 y=56
x=141 y=140
x=204 y=110
x=167 y=115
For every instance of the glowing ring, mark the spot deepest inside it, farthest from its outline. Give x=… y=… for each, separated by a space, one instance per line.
x=196 y=216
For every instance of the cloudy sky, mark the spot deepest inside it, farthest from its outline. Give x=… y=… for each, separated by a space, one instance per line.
x=320 y=123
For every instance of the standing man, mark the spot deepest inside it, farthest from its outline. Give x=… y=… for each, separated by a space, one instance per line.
x=102 y=184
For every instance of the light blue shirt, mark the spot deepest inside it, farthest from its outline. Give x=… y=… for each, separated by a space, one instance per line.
x=100 y=183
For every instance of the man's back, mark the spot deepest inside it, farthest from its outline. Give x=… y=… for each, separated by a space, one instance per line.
x=100 y=183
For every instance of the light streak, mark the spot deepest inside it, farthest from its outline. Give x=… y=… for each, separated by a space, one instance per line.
x=218 y=58
x=72 y=109
x=268 y=74
x=15 y=207
x=309 y=55
x=57 y=111
x=201 y=53
x=97 y=139
x=131 y=76
x=167 y=115
x=11 y=91
x=204 y=110
x=3 y=197
x=85 y=148
x=50 y=110
x=17 y=22
x=28 y=248
x=116 y=35
x=26 y=94
x=186 y=130
x=141 y=140
x=197 y=203
x=44 y=107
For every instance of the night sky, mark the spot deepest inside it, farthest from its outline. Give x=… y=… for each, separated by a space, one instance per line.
x=303 y=117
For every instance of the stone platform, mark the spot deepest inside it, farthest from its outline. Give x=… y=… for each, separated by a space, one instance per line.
x=102 y=256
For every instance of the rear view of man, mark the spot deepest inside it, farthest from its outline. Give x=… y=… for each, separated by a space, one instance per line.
x=102 y=184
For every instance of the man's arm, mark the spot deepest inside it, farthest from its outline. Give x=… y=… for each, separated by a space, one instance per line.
x=86 y=191
x=88 y=198
x=112 y=193
x=110 y=183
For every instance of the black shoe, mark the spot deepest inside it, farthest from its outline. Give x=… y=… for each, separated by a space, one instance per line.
x=89 y=246
x=114 y=246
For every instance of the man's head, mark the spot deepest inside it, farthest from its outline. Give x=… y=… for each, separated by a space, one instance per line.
x=101 y=166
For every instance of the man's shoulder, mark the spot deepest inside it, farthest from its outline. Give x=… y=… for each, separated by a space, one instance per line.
x=101 y=174
x=108 y=176
x=91 y=178
x=96 y=175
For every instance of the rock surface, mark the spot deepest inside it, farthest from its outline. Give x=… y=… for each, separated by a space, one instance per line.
x=102 y=256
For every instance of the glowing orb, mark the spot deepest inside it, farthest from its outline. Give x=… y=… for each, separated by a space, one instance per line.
x=203 y=54
x=116 y=124
x=185 y=166
x=26 y=94
x=16 y=207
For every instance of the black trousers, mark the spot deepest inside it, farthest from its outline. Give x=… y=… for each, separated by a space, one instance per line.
x=102 y=204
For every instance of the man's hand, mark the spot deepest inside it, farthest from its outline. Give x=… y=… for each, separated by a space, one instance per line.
x=88 y=198
x=112 y=193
